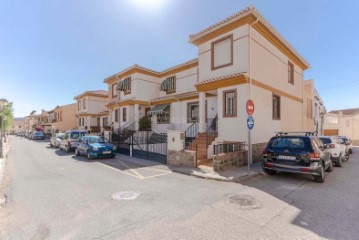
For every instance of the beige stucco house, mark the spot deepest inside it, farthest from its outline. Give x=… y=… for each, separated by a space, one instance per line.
x=64 y=118
x=314 y=108
x=343 y=122
x=242 y=57
x=92 y=113
x=18 y=125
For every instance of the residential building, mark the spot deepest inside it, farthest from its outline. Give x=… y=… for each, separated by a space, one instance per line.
x=64 y=118
x=92 y=113
x=343 y=122
x=242 y=57
x=18 y=125
x=314 y=108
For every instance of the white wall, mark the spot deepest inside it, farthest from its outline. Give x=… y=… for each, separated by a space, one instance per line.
x=240 y=55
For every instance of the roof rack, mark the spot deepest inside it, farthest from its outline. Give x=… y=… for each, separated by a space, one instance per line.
x=287 y=133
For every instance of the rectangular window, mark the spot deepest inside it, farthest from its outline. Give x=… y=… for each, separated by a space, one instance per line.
x=290 y=73
x=192 y=112
x=83 y=121
x=165 y=116
x=116 y=115
x=79 y=105
x=222 y=52
x=124 y=114
x=170 y=85
x=105 y=122
x=127 y=85
x=84 y=104
x=98 y=122
x=80 y=122
x=114 y=90
x=230 y=103
x=276 y=107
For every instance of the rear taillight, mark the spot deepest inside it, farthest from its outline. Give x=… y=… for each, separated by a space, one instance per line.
x=314 y=155
x=264 y=153
x=305 y=169
x=332 y=145
x=269 y=165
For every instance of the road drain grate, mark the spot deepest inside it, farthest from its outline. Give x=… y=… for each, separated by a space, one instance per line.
x=244 y=201
x=125 y=195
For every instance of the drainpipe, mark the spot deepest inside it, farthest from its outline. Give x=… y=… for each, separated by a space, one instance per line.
x=250 y=88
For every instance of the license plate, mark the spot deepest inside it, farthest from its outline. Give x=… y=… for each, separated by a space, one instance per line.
x=281 y=157
x=106 y=152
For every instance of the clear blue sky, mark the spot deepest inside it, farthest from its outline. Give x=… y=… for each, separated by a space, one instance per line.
x=52 y=50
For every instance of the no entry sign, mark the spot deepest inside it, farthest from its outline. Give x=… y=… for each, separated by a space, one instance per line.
x=250 y=107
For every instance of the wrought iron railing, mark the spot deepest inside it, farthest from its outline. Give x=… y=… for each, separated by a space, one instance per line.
x=211 y=129
x=230 y=147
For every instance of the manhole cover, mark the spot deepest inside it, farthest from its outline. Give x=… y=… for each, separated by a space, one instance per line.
x=244 y=201
x=125 y=195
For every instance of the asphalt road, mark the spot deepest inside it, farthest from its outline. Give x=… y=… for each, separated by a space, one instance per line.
x=54 y=195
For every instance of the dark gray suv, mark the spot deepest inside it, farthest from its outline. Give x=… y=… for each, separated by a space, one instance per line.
x=297 y=152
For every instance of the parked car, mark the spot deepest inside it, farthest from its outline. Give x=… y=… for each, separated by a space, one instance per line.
x=348 y=143
x=336 y=149
x=297 y=153
x=28 y=134
x=56 y=139
x=95 y=147
x=71 y=137
x=37 y=135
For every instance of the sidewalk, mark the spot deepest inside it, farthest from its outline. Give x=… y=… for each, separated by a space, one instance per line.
x=5 y=151
x=231 y=174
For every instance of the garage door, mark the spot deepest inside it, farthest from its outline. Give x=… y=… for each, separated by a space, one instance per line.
x=330 y=132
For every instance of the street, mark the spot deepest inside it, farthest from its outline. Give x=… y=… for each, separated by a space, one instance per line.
x=55 y=195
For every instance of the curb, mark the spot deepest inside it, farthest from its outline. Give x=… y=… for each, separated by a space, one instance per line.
x=243 y=177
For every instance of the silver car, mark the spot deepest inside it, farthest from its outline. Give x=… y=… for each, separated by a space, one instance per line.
x=71 y=137
x=56 y=139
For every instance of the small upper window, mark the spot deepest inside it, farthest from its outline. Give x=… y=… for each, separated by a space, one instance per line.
x=124 y=114
x=290 y=73
x=276 y=107
x=222 y=52
x=84 y=104
x=169 y=85
x=114 y=90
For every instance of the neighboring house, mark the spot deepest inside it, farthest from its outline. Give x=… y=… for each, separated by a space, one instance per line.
x=39 y=121
x=314 y=108
x=242 y=57
x=18 y=125
x=343 y=122
x=64 y=118
x=135 y=90
x=92 y=112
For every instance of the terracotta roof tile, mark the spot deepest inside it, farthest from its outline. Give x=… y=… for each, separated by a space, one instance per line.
x=220 y=79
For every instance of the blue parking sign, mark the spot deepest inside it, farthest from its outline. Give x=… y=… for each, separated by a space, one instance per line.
x=250 y=122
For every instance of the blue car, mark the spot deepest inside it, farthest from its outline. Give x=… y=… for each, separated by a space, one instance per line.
x=37 y=135
x=95 y=147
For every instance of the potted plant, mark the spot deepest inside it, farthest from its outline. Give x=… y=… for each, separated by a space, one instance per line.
x=145 y=124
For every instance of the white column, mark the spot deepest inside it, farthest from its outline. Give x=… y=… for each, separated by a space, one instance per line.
x=137 y=116
x=202 y=112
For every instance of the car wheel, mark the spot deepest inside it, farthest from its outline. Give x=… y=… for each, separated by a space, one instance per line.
x=88 y=155
x=339 y=163
x=321 y=177
x=270 y=172
x=68 y=148
x=51 y=145
x=330 y=168
x=77 y=152
x=113 y=155
x=350 y=151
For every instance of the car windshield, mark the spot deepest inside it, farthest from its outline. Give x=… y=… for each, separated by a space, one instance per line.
x=60 y=136
x=96 y=139
x=297 y=143
x=75 y=135
x=38 y=133
x=326 y=140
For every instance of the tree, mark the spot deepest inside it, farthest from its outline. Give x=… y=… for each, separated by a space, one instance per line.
x=8 y=115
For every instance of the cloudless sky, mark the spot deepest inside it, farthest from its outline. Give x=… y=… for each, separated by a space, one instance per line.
x=53 y=50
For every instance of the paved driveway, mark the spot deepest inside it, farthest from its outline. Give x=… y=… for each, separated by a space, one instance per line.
x=54 y=195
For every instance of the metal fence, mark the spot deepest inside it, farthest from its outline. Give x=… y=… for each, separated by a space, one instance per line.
x=229 y=148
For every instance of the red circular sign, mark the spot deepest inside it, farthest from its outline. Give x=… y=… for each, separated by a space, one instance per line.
x=250 y=107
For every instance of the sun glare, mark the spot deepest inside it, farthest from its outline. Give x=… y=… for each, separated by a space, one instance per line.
x=150 y=4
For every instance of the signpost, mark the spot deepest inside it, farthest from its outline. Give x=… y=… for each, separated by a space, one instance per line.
x=250 y=126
